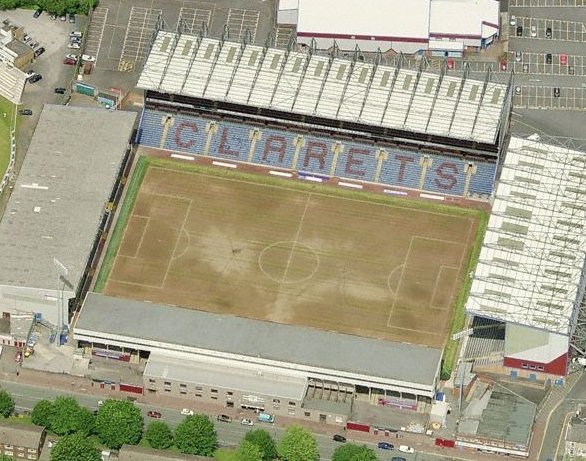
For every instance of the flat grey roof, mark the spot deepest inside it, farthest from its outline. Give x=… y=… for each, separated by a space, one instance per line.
x=125 y=319
x=61 y=193
x=205 y=373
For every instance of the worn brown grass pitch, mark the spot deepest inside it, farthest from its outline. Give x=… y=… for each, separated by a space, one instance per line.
x=291 y=255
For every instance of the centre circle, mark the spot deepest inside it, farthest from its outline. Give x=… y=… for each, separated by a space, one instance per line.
x=288 y=262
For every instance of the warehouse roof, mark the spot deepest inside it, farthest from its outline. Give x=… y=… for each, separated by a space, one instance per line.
x=330 y=18
x=179 y=329
x=530 y=269
x=60 y=196
x=303 y=82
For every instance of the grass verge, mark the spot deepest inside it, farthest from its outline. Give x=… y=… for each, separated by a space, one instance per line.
x=451 y=349
x=6 y=107
x=123 y=214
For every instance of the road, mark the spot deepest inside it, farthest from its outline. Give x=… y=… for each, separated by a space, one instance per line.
x=229 y=434
x=553 y=446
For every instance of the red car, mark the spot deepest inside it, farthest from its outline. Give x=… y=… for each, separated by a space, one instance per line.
x=69 y=62
x=18 y=357
x=154 y=414
x=563 y=59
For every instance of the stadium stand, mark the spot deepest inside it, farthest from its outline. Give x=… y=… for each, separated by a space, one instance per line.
x=320 y=154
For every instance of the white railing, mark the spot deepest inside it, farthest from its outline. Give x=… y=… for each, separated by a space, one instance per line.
x=10 y=169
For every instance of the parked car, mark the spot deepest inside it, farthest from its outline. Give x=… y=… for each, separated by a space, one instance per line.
x=71 y=56
x=533 y=31
x=154 y=414
x=35 y=78
x=18 y=357
x=548 y=32
x=100 y=403
x=39 y=51
x=74 y=46
x=37 y=13
x=571 y=70
x=563 y=59
x=27 y=38
x=187 y=412
x=385 y=446
x=52 y=16
x=70 y=62
x=518 y=56
x=87 y=58
x=517 y=89
x=519 y=31
x=60 y=90
x=63 y=17
x=30 y=73
x=224 y=418
x=548 y=58
x=513 y=20
x=71 y=18
x=247 y=422
x=398 y=458
x=339 y=438
x=556 y=92
x=406 y=449
x=76 y=33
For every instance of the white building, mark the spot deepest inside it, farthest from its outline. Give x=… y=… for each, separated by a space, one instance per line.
x=407 y=27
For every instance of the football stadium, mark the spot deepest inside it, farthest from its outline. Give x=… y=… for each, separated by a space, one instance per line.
x=301 y=227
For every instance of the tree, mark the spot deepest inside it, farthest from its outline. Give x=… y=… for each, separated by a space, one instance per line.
x=298 y=444
x=6 y=458
x=248 y=451
x=263 y=440
x=68 y=417
x=353 y=452
x=76 y=447
x=195 y=435
x=6 y=404
x=42 y=413
x=118 y=422
x=159 y=435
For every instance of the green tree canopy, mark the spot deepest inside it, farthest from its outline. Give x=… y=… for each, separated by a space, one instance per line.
x=248 y=451
x=159 y=435
x=195 y=435
x=41 y=414
x=52 y=6
x=6 y=404
x=298 y=444
x=118 y=422
x=263 y=440
x=68 y=417
x=353 y=452
x=76 y=447
x=6 y=458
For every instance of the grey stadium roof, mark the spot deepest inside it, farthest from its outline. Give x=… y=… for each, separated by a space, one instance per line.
x=303 y=82
x=61 y=192
x=131 y=320
x=531 y=264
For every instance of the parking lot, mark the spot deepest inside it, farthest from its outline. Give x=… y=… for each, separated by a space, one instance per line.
x=121 y=32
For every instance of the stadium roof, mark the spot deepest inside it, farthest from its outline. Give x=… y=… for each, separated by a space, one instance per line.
x=160 y=327
x=377 y=18
x=61 y=193
x=531 y=264
x=306 y=83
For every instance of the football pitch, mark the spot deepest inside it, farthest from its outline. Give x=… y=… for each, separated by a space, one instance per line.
x=292 y=253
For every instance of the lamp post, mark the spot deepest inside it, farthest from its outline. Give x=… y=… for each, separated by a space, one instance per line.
x=62 y=272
